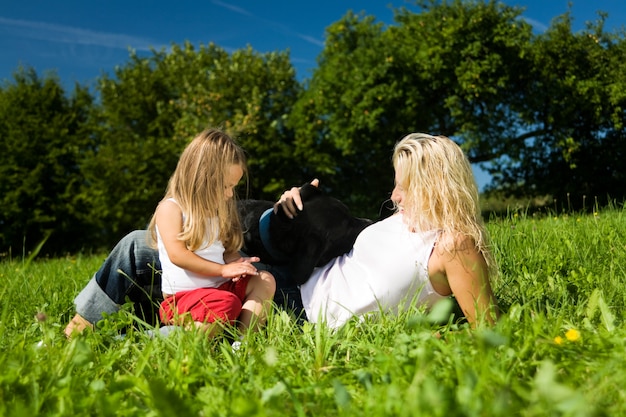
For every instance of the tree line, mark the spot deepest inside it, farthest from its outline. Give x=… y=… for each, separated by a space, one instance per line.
x=542 y=112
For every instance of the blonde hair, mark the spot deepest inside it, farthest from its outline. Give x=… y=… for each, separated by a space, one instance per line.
x=440 y=189
x=198 y=185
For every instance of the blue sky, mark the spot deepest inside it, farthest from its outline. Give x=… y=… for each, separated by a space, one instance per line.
x=81 y=39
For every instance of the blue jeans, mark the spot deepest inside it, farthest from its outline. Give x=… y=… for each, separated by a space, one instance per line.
x=131 y=273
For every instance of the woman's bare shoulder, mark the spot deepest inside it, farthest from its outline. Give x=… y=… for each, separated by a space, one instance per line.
x=455 y=242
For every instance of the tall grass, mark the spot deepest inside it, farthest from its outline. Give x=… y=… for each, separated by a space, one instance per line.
x=558 y=349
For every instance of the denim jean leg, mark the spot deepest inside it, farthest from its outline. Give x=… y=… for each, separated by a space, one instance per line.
x=132 y=263
x=129 y=273
x=92 y=302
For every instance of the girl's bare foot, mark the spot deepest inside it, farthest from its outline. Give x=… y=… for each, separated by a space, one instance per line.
x=77 y=325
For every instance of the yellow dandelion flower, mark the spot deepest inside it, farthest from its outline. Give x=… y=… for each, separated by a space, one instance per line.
x=558 y=340
x=572 y=335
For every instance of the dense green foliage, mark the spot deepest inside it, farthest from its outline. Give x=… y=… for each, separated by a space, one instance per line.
x=42 y=136
x=543 y=112
x=154 y=105
x=557 y=350
x=451 y=69
x=572 y=115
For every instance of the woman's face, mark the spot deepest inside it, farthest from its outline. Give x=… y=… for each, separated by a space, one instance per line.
x=397 y=195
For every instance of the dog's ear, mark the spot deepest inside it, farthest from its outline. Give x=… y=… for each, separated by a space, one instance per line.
x=308 y=191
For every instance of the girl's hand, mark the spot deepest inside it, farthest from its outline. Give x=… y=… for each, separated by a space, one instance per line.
x=239 y=269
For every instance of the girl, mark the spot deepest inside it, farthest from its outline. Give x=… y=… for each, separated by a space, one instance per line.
x=198 y=235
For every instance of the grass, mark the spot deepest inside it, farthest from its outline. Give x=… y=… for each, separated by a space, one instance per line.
x=557 y=351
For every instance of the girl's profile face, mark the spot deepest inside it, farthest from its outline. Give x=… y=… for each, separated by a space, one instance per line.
x=233 y=176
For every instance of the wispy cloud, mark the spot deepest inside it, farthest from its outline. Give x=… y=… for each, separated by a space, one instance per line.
x=310 y=39
x=71 y=35
x=278 y=27
x=539 y=26
x=232 y=8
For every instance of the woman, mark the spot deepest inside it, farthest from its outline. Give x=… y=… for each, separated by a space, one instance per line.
x=434 y=246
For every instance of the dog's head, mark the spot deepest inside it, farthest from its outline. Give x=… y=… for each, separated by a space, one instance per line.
x=323 y=230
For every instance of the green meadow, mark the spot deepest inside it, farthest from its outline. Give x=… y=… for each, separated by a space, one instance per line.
x=558 y=350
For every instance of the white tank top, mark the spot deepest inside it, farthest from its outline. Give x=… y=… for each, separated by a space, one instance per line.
x=387 y=269
x=175 y=278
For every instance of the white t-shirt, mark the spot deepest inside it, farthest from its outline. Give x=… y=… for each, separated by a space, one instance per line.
x=175 y=278
x=386 y=269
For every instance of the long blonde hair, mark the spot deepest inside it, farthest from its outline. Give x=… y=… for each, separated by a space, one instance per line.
x=440 y=189
x=198 y=185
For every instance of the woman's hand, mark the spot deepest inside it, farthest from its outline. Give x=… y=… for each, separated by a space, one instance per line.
x=291 y=202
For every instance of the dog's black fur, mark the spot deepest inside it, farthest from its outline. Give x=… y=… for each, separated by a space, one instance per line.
x=323 y=230
x=250 y=212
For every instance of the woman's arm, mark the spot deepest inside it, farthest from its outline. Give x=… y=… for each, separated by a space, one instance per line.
x=467 y=275
x=169 y=219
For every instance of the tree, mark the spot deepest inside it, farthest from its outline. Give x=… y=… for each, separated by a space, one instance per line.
x=156 y=104
x=348 y=118
x=469 y=65
x=250 y=95
x=42 y=135
x=453 y=69
x=572 y=117
x=543 y=113
x=127 y=169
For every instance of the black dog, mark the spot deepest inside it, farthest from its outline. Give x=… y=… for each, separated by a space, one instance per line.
x=323 y=230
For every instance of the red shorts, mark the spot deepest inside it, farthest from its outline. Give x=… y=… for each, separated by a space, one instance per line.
x=206 y=305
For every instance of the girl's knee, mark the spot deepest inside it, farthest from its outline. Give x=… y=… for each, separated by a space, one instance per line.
x=269 y=281
x=262 y=285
